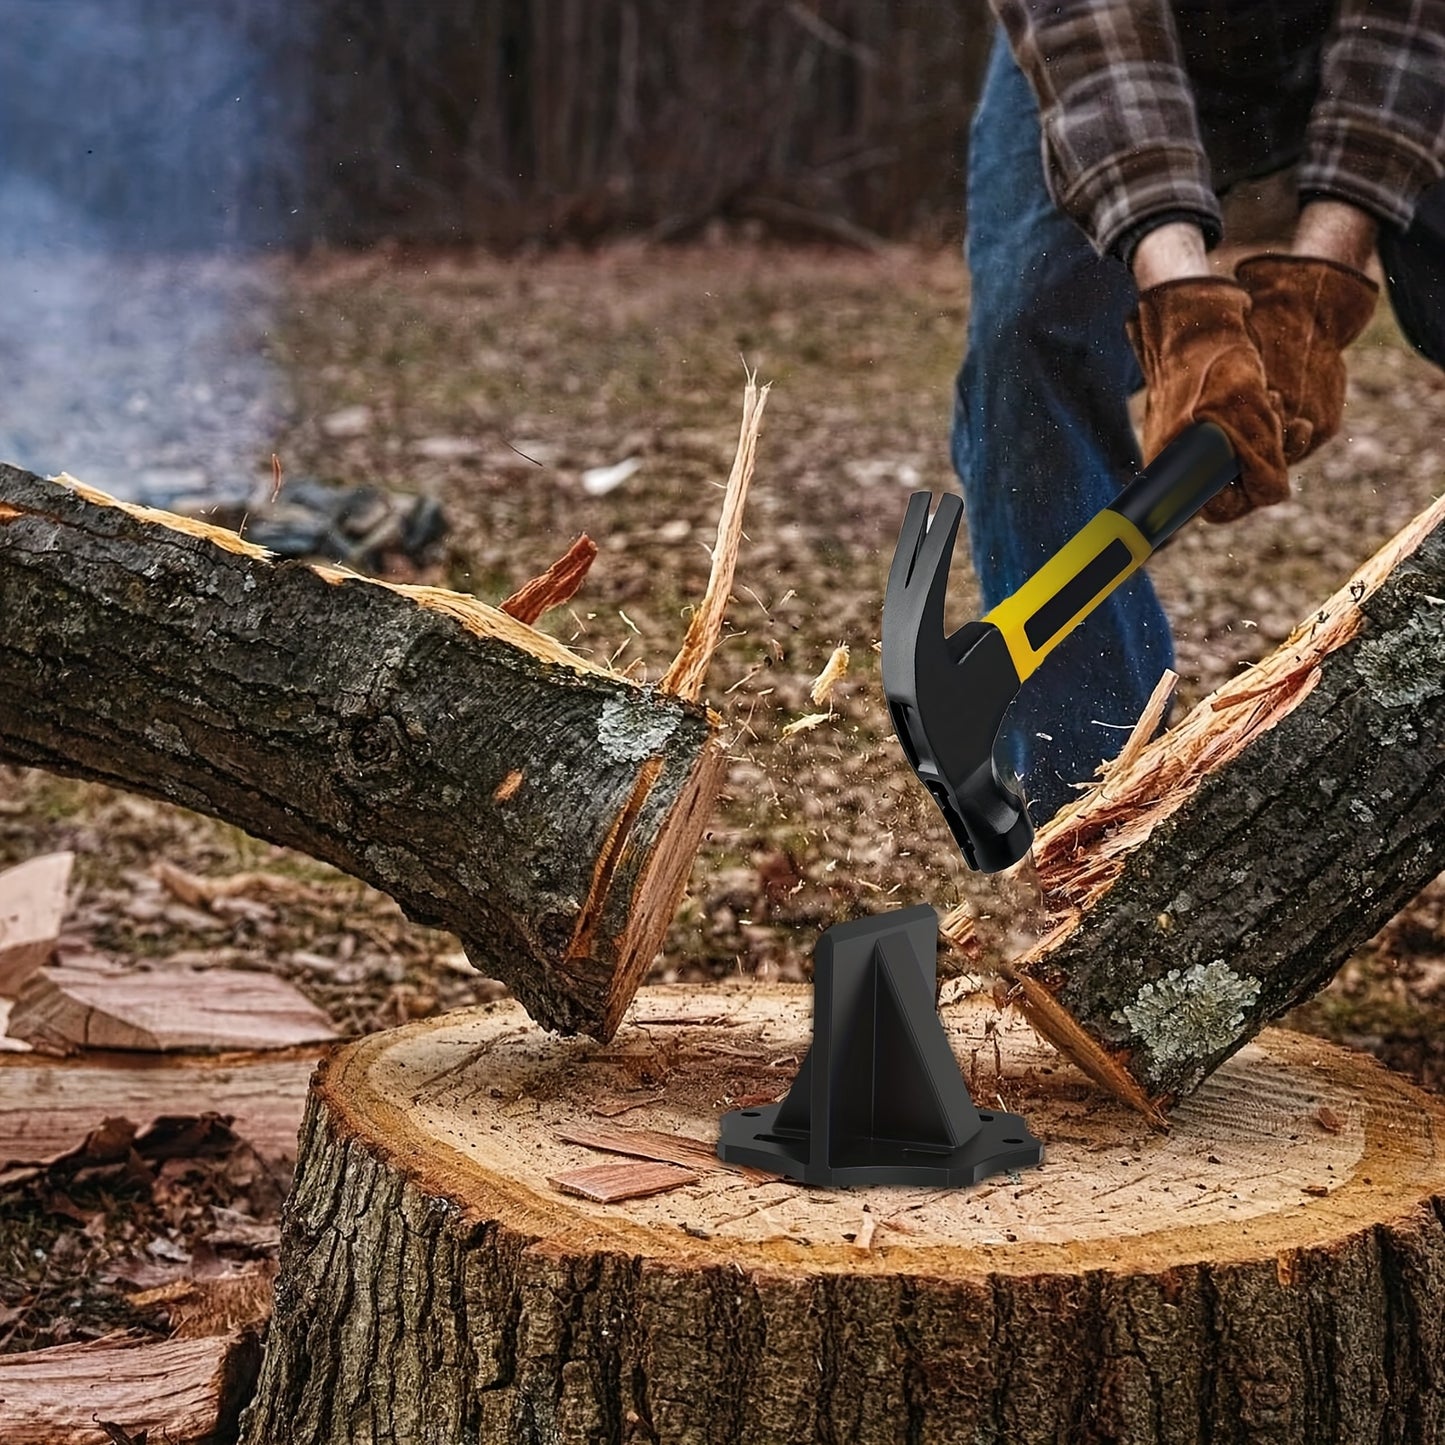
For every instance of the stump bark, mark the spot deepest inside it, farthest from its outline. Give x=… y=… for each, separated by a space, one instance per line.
x=542 y=807
x=1271 y=1270
x=1221 y=874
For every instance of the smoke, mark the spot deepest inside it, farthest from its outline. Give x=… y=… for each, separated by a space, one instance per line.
x=148 y=160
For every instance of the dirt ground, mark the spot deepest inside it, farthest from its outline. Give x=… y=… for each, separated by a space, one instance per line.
x=493 y=386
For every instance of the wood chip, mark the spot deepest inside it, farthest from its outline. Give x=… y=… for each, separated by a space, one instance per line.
x=1328 y=1120
x=1146 y=727
x=49 y=1107
x=507 y=788
x=647 y=1144
x=68 y=1008
x=805 y=723
x=7 y=1044
x=751 y=1101
x=607 y=1183
x=161 y=1294
x=32 y=906
x=679 y=1149
x=825 y=681
x=613 y=1107
x=559 y=582
x=169 y=1389
x=201 y=892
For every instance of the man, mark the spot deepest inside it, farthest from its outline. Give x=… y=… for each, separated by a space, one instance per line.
x=1105 y=129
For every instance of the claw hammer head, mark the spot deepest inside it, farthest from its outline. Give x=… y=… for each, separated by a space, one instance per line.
x=947 y=695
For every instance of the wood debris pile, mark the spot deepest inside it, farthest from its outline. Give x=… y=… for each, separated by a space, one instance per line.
x=151 y=1113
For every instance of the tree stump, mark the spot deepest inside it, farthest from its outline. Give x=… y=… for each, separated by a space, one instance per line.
x=1270 y=1269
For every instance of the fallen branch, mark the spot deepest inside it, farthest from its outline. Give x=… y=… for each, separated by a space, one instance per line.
x=1219 y=875
x=542 y=806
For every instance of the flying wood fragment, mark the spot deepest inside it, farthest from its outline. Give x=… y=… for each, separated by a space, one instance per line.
x=806 y=723
x=559 y=582
x=832 y=673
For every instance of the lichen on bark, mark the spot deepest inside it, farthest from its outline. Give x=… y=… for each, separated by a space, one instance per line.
x=1190 y=1013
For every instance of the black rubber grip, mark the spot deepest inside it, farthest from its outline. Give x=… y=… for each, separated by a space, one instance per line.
x=1076 y=594
x=1196 y=466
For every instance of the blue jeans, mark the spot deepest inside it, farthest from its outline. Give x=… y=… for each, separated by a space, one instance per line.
x=1042 y=438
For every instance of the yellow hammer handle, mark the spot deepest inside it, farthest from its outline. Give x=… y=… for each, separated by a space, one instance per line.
x=1095 y=560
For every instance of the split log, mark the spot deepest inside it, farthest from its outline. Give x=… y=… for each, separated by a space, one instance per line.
x=493 y=782
x=1221 y=874
x=64 y=1009
x=49 y=1106
x=187 y=1392
x=1270 y=1269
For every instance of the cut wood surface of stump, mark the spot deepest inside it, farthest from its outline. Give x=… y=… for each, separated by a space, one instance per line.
x=1270 y=1269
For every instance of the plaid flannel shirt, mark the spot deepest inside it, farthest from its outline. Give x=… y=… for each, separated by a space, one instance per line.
x=1151 y=107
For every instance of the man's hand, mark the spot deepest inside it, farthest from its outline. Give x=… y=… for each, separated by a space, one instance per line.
x=1306 y=307
x=1200 y=363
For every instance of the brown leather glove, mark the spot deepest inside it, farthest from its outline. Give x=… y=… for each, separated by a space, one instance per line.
x=1303 y=312
x=1201 y=364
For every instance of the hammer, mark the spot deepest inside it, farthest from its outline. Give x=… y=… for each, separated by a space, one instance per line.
x=947 y=695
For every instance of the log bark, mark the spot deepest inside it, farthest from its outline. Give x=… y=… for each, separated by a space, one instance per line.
x=1268 y=1271
x=1221 y=874
x=494 y=783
